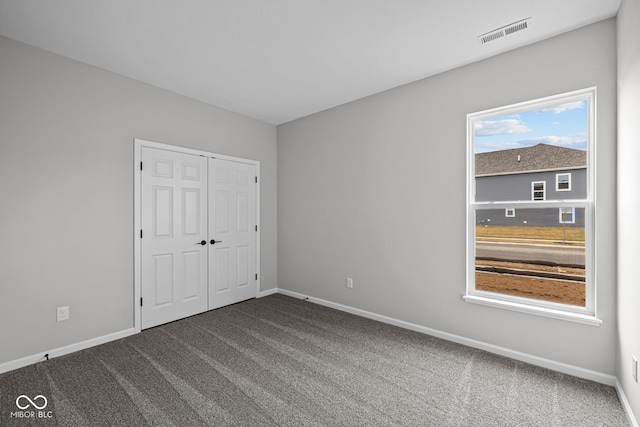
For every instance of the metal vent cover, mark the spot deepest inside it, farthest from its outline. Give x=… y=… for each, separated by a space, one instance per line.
x=507 y=30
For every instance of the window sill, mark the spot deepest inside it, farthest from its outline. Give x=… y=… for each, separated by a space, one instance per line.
x=539 y=311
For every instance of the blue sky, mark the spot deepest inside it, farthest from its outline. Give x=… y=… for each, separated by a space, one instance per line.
x=564 y=125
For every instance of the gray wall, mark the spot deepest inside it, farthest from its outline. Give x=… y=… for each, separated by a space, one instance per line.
x=628 y=197
x=375 y=190
x=66 y=214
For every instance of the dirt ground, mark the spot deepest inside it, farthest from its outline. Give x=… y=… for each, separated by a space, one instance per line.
x=561 y=291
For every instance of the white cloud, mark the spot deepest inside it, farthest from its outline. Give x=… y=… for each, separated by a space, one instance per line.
x=557 y=109
x=499 y=127
x=562 y=141
x=484 y=147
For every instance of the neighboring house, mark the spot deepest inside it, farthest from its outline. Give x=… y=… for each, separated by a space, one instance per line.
x=541 y=172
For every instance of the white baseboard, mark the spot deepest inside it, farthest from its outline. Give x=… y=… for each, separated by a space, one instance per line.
x=267 y=292
x=513 y=354
x=61 y=351
x=523 y=357
x=625 y=404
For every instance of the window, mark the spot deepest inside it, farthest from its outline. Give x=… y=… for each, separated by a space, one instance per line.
x=542 y=262
x=537 y=190
x=563 y=182
x=567 y=216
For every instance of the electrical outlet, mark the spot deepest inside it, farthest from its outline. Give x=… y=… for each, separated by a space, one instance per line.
x=62 y=313
x=349 y=283
x=634 y=368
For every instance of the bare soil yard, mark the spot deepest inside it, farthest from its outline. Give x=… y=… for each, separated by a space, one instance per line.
x=560 y=291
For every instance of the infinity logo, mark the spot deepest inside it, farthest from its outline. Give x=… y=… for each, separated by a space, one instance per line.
x=23 y=397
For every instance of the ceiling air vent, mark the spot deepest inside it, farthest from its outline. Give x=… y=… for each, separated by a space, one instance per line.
x=507 y=30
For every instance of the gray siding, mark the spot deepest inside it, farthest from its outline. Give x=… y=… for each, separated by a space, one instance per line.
x=549 y=217
x=518 y=186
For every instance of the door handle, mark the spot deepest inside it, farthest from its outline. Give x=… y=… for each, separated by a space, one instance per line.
x=213 y=242
x=204 y=242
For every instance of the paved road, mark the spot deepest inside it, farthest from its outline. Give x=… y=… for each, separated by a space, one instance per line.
x=564 y=255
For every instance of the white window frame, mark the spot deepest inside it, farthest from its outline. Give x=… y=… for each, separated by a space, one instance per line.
x=586 y=314
x=534 y=191
x=572 y=210
x=509 y=212
x=558 y=175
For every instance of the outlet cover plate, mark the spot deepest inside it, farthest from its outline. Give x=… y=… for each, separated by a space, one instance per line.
x=62 y=313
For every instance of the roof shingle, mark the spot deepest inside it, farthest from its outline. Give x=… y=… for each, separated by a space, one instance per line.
x=536 y=158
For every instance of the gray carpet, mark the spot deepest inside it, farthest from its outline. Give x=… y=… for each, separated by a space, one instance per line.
x=278 y=361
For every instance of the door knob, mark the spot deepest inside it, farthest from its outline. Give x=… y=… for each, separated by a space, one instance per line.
x=204 y=242
x=213 y=242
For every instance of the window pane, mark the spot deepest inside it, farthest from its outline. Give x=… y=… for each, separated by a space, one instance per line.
x=533 y=255
x=530 y=163
x=567 y=215
x=538 y=190
x=521 y=156
x=563 y=181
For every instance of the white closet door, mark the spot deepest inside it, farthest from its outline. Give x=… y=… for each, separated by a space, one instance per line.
x=232 y=232
x=174 y=227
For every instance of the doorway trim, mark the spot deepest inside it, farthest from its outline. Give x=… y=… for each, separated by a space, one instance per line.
x=137 y=210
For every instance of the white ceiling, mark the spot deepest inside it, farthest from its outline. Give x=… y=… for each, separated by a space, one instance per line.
x=278 y=60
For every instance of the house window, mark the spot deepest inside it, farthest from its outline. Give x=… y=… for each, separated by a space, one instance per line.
x=567 y=216
x=537 y=190
x=543 y=262
x=563 y=182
